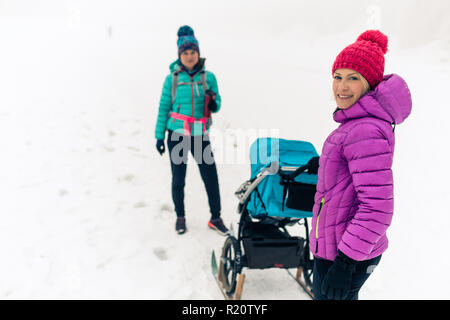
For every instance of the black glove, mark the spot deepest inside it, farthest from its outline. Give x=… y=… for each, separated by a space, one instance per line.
x=160 y=146
x=313 y=165
x=337 y=282
x=212 y=105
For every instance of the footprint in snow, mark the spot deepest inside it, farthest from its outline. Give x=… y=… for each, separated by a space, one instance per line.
x=126 y=178
x=140 y=205
x=165 y=207
x=160 y=253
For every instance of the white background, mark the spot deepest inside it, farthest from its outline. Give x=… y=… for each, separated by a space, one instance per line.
x=86 y=210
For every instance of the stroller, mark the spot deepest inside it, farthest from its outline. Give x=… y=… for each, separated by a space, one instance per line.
x=279 y=194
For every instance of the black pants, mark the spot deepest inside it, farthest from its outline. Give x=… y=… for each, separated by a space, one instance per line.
x=200 y=147
x=362 y=272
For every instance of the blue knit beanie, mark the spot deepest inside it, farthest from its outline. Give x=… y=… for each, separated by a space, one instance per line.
x=186 y=40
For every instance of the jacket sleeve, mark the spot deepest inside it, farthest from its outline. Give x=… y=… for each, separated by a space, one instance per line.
x=212 y=85
x=165 y=106
x=369 y=157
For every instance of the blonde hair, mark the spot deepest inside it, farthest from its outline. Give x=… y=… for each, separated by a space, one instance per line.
x=366 y=85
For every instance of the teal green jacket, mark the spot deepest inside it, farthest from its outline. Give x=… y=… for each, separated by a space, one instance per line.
x=190 y=101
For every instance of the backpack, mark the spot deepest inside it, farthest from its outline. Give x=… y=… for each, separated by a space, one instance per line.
x=175 y=83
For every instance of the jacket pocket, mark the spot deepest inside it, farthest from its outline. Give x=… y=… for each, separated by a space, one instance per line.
x=322 y=202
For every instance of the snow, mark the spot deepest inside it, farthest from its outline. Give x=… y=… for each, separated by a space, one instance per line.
x=86 y=206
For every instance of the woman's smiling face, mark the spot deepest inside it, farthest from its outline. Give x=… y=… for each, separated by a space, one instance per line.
x=189 y=58
x=348 y=87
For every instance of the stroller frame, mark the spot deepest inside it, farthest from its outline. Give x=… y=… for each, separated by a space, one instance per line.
x=238 y=249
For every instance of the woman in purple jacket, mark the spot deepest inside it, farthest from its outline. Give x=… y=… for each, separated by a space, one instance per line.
x=355 y=199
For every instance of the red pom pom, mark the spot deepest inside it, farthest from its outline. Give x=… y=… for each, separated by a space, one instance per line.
x=376 y=37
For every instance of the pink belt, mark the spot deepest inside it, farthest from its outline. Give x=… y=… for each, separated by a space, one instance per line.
x=187 y=121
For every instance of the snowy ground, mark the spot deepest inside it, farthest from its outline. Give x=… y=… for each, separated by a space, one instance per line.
x=86 y=206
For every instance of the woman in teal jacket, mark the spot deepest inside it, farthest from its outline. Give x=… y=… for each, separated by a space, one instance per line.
x=189 y=96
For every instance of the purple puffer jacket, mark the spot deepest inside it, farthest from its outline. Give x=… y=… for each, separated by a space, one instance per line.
x=355 y=198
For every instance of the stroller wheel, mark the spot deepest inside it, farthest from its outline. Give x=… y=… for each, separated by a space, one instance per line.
x=230 y=264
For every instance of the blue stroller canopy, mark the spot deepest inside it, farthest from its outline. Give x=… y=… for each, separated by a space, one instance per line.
x=267 y=198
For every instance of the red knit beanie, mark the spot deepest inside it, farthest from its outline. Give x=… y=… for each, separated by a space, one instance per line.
x=366 y=56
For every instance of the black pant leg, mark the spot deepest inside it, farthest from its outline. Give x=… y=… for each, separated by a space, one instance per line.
x=321 y=267
x=201 y=150
x=362 y=272
x=178 y=152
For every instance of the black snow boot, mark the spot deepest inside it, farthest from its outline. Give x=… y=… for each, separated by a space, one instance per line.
x=180 y=226
x=217 y=224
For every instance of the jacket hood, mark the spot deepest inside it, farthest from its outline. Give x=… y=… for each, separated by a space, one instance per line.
x=389 y=101
x=177 y=66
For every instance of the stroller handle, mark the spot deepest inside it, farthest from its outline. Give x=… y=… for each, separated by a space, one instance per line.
x=293 y=175
x=247 y=187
